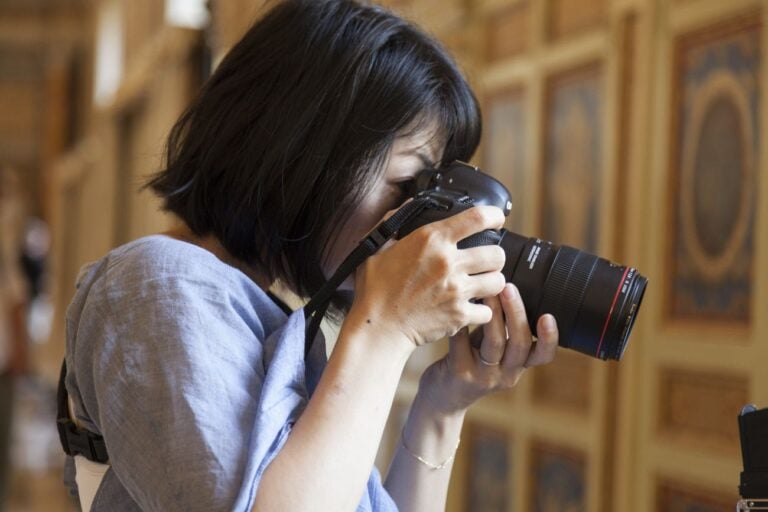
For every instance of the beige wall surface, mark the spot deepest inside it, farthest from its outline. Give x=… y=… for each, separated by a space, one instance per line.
x=630 y=128
x=601 y=117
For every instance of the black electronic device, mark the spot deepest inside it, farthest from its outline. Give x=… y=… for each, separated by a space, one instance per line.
x=594 y=301
x=753 y=434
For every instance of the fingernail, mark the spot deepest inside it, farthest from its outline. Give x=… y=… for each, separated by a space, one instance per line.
x=510 y=291
x=548 y=323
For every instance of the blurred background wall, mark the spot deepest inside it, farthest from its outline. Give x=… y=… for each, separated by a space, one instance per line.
x=630 y=128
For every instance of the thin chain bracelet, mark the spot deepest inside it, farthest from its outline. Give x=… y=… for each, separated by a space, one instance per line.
x=419 y=458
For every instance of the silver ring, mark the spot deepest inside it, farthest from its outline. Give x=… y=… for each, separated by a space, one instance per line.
x=487 y=363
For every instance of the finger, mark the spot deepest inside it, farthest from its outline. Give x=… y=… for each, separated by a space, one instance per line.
x=494 y=334
x=545 y=348
x=459 y=346
x=485 y=258
x=485 y=285
x=471 y=221
x=476 y=338
x=519 y=334
x=477 y=314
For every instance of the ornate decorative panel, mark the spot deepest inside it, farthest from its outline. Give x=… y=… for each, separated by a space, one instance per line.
x=489 y=471
x=558 y=479
x=699 y=407
x=506 y=150
x=715 y=146
x=573 y=158
x=564 y=383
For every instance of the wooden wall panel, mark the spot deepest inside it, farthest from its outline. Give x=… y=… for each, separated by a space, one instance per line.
x=563 y=384
x=714 y=179
x=22 y=114
x=674 y=496
x=231 y=19
x=558 y=479
x=700 y=408
x=624 y=150
x=702 y=333
x=573 y=147
x=21 y=123
x=508 y=32
x=489 y=469
x=505 y=151
x=569 y=17
x=142 y=20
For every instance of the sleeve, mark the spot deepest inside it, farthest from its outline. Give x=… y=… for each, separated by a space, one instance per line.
x=179 y=390
x=378 y=497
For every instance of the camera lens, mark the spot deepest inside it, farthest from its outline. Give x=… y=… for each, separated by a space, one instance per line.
x=594 y=301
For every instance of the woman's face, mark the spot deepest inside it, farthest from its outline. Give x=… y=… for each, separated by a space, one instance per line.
x=409 y=155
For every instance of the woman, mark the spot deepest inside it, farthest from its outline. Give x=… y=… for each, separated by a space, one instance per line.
x=297 y=147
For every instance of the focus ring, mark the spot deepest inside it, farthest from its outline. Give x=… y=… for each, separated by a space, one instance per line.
x=565 y=286
x=554 y=286
x=573 y=295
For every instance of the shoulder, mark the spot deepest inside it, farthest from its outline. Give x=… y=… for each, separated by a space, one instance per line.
x=175 y=263
x=161 y=275
x=163 y=257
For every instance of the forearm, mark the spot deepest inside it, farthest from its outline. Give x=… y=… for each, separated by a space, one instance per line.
x=327 y=459
x=433 y=436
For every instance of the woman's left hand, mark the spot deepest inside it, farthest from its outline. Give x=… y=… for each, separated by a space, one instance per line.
x=505 y=349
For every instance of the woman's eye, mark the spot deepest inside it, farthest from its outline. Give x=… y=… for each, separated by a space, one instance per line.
x=406 y=187
x=399 y=194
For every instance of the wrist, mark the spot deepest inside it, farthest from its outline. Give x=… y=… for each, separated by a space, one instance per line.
x=439 y=394
x=371 y=323
x=431 y=436
x=443 y=421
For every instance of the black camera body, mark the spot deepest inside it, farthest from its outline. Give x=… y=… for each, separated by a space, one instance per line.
x=594 y=301
x=454 y=189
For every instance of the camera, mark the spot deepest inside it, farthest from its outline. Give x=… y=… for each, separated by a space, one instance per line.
x=594 y=301
x=753 y=487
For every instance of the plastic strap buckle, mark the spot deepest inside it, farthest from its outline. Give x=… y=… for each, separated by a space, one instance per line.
x=78 y=441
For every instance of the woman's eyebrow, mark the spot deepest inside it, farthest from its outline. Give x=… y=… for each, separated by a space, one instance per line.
x=423 y=150
x=421 y=155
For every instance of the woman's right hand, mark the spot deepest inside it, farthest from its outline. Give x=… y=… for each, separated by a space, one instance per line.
x=420 y=287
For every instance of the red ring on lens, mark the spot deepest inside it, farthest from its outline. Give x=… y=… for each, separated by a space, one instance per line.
x=610 y=312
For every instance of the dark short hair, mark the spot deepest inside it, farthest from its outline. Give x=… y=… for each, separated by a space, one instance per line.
x=295 y=125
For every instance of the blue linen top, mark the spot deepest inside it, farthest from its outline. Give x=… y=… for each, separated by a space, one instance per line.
x=192 y=374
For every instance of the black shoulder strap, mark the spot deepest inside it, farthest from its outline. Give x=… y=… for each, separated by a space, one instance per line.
x=316 y=308
x=75 y=440
x=280 y=303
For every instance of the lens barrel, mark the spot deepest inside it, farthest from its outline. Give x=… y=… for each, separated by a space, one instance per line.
x=594 y=301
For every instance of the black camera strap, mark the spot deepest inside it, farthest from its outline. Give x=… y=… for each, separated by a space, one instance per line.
x=316 y=308
x=76 y=440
